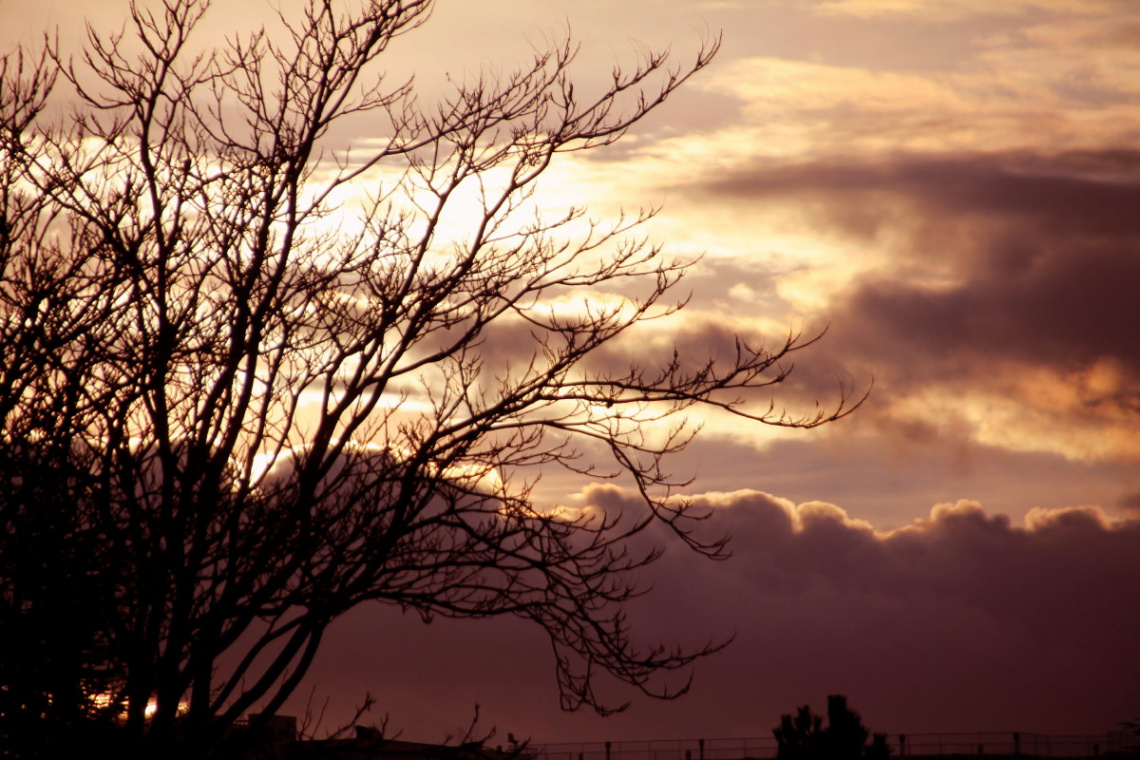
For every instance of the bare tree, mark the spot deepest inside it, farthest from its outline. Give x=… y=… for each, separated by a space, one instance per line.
x=235 y=406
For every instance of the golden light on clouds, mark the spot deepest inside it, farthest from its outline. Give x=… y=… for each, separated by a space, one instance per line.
x=1030 y=410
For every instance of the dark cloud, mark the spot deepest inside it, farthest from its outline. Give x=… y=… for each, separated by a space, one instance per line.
x=1091 y=193
x=1063 y=310
x=960 y=621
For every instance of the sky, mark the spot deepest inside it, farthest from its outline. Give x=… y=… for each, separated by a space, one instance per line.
x=951 y=190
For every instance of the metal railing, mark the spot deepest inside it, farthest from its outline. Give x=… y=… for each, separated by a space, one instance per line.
x=1012 y=743
x=662 y=749
x=1006 y=744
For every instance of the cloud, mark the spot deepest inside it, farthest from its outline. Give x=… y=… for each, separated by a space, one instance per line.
x=1059 y=78
x=987 y=293
x=1000 y=303
x=1073 y=193
x=961 y=581
x=962 y=620
x=1131 y=504
x=955 y=9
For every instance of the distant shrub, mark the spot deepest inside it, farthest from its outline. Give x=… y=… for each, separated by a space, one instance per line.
x=804 y=736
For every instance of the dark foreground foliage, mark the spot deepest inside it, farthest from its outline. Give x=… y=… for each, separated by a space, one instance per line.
x=804 y=736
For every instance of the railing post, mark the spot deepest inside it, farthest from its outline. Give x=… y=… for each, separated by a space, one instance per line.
x=902 y=745
x=1016 y=742
x=701 y=745
x=607 y=750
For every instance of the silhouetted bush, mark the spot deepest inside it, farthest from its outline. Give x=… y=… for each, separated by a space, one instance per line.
x=804 y=737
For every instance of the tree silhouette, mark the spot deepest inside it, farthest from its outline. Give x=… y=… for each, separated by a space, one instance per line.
x=804 y=736
x=235 y=405
x=800 y=736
